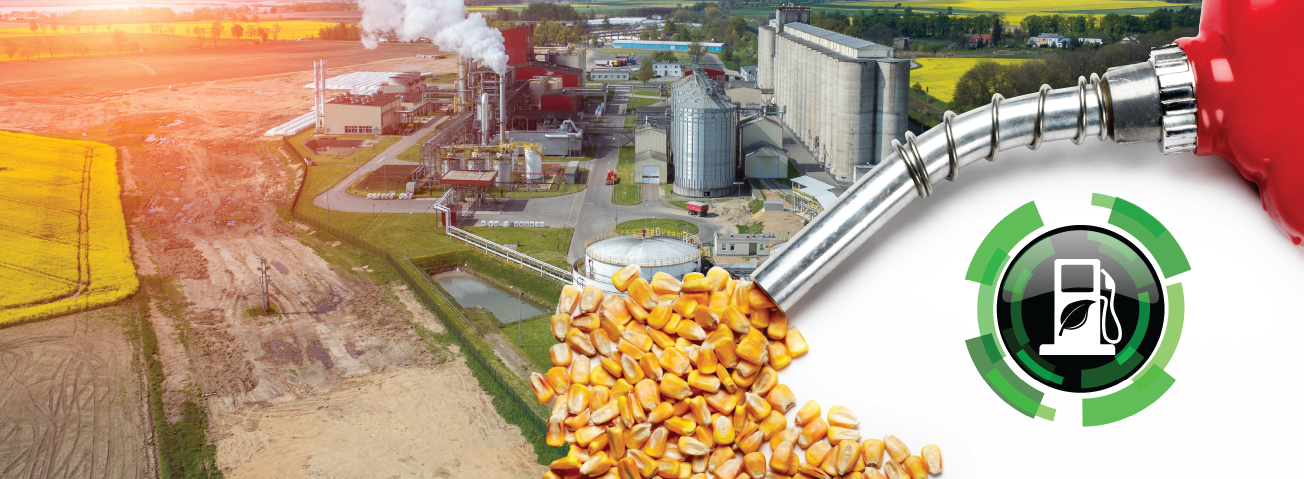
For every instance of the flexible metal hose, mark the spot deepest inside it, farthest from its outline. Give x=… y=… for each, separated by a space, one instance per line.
x=1125 y=106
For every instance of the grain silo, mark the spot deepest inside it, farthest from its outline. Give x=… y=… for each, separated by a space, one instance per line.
x=703 y=137
x=671 y=253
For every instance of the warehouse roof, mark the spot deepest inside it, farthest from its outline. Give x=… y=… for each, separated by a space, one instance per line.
x=846 y=45
x=469 y=178
x=376 y=99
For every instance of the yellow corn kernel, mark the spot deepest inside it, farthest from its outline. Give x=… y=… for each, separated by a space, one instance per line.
x=796 y=343
x=705 y=317
x=873 y=474
x=830 y=466
x=625 y=404
x=672 y=386
x=661 y=412
x=624 y=276
x=757 y=299
x=580 y=342
x=735 y=320
x=556 y=433
x=614 y=310
x=752 y=351
x=729 y=469
x=726 y=352
x=586 y=434
x=580 y=370
x=757 y=408
x=872 y=449
x=560 y=355
x=743 y=381
x=685 y=346
x=718 y=276
x=638 y=339
x=748 y=370
x=695 y=285
x=611 y=364
x=756 y=335
x=630 y=370
x=754 y=464
x=663 y=283
x=542 y=391
x=772 y=424
x=675 y=361
x=704 y=434
x=739 y=300
x=781 y=398
x=765 y=381
x=567 y=463
x=718 y=302
x=812 y=432
x=718 y=457
x=932 y=456
x=570 y=295
x=646 y=394
x=590 y=298
x=672 y=323
x=719 y=401
x=651 y=366
x=848 y=454
x=740 y=417
x=647 y=466
x=855 y=474
x=560 y=324
x=915 y=466
x=698 y=411
x=690 y=330
x=627 y=468
x=681 y=408
x=656 y=443
x=558 y=379
x=586 y=322
x=896 y=448
x=779 y=458
x=726 y=381
x=578 y=398
x=597 y=465
x=637 y=436
x=838 y=435
x=599 y=444
x=704 y=382
x=760 y=318
x=601 y=395
x=807 y=413
x=684 y=306
x=607 y=412
x=637 y=311
x=779 y=357
x=842 y=417
x=629 y=349
x=692 y=446
x=681 y=426
x=816 y=453
x=751 y=442
x=660 y=313
x=602 y=342
x=722 y=431
x=642 y=294
x=622 y=386
x=893 y=470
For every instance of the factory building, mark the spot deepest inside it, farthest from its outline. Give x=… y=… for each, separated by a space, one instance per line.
x=351 y=114
x=518 y=43
x=713 y=47
x=845 y=98
x=668 y=69
x=651 y=164
x=703 y=137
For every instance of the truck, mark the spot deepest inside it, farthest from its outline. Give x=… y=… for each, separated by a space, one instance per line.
x=612 y=177
x=697 y=208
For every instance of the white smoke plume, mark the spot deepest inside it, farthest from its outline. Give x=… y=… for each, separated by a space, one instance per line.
x=443 y=21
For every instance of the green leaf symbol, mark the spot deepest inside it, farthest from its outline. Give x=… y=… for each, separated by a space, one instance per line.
x=1075 y=315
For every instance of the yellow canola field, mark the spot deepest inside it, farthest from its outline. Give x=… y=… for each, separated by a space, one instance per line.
x=1015 y=10
x=61 y=224
x=290 y=30
x=940 y=74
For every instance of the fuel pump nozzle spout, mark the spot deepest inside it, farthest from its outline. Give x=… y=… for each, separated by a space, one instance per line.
x=1149 y=101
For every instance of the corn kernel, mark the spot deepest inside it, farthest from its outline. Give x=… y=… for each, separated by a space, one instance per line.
x=556 y=433
x=740 y=293
x=656 y=443
x=567 y=463
x=647 y=466
x=812 y=432
x=718 y=276
x=854 y=475
x=628 y=469
x=781 y=398
x=660 y=413
x=698 y=411
x=586 y=322
x=740 y=417
x=681 y=407
x=597 y=465
x=542 y=391
x=675 y=361
x=681 y=426
x=637 y=437
x=672 y=324
x=580 y=342
x=622 y=386
x=722 y=431
x=757 y=407
x=760 y=318
x=873 y=474
x=690 y=330
x=607 y=412
x=729 y=469
x=630 y=370
x=560 y=355
x=614 y=310
x=748 y=370
x=726 y=381
x=779 y=357
x=624 y=276
x=751 y=442
x=816 y=453
x=752 y=351
x=705 y=317
x=915 y=466
x=692 y=446
x=754 y=464
x=599 y=444
x=766 y=381
x=779 y=458
x=663 y=283
x=839 y=434
x=560 y=325
x=893 y=470
x=578 y=398
x=651 y=366
x=674 y=387
x=848 y=454
x=726 y=352
x=558 y=379
x=842 y=417
x=660 y=314
x=772 y=424
x=717 y=302
x=699 y=467
x=796 y=343
x=602 y=342
x=580 y=370
x=873 y=452
x=932 y=456
x=740 y=380
x=807 y=413
x=586 y=434
x=896 y=448
x=811 y=471
x=736 y=320
x=705 y=382
x=637 y=339
x=642 y=294
x=616 y=441
x=637 y=311
x=706 y=361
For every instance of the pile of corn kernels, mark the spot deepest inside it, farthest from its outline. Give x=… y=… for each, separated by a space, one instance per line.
x=680 y=380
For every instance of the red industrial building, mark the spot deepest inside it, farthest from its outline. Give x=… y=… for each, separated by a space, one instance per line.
x=559 y=100
x=519 y=42
x=570 y=77
x=717 y=75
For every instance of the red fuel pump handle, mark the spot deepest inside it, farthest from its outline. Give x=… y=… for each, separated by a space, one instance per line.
x=1248 y=78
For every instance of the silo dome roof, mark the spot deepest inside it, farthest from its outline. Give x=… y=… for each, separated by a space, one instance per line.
x=652 y=251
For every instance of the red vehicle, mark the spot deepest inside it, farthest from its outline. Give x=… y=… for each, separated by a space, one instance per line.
x=697 y=208
x=612 y=177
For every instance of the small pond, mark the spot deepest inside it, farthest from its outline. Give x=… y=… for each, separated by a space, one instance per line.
x=470 y=292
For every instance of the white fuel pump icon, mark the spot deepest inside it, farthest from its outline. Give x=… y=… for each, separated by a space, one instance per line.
x=1081 y=308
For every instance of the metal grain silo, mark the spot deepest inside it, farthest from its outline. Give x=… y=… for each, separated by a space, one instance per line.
x=893 y=103
x=703 y=137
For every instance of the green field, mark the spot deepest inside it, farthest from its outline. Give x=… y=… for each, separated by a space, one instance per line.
x=663 y=223
x=640 y=102
x=940 y=74
x=1012 y=11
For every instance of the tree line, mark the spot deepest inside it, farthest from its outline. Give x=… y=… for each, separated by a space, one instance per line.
x=1113 y=25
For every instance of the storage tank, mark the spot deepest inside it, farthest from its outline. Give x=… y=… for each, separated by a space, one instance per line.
x=892 y=103
x=533 y=166
x=765 y=57
x=503 y=166
x=652 y=253
x=703 y=137
x=854 y=118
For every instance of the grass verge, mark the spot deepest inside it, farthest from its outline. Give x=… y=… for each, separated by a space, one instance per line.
x=626 y=192
x=665 y=224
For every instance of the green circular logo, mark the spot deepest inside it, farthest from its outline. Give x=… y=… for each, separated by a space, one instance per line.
x=1085 y=311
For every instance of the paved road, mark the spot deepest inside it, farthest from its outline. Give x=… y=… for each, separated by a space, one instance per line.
x=338 y=198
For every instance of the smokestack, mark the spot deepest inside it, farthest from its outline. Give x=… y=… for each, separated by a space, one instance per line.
x=502 y=108
x=462 y=84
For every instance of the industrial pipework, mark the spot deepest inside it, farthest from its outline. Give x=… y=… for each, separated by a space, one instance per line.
x=1150 y=101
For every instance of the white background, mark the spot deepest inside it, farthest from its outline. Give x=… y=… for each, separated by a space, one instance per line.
x=887 y=328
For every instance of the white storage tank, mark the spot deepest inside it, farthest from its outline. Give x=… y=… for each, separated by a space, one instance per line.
x=503 y=166
x=674 y=256
x=533 y=166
